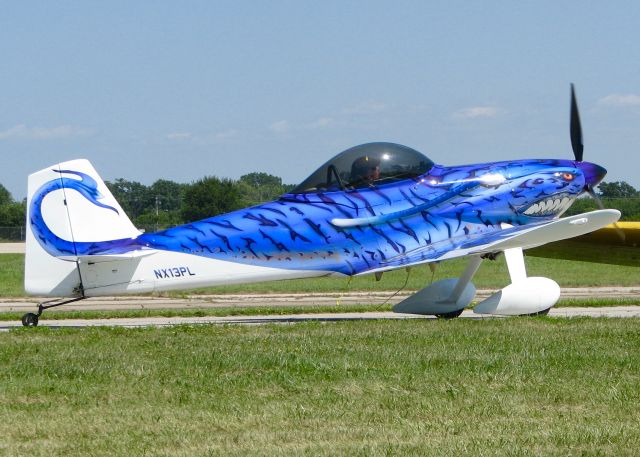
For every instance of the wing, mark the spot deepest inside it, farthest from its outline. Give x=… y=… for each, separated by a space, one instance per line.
x=612 y=245
x=525 y=237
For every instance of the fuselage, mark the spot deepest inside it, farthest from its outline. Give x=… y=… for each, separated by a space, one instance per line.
x=437 y=212
x=401 y=223
x=447 y=206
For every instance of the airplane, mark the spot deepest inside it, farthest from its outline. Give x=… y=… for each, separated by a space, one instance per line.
x=372 y=208
x=617 y=244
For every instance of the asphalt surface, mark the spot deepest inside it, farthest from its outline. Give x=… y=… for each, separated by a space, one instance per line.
x=608 y=312
x=274 y=300
x=12 y=248
x=298 y=300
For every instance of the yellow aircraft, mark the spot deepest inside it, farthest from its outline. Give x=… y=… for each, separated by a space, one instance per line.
x=617 y=244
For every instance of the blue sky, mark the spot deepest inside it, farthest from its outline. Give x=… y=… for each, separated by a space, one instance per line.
x=180 y=90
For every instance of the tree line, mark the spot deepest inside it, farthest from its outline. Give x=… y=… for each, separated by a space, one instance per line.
x=167 y=203
x=618 y=195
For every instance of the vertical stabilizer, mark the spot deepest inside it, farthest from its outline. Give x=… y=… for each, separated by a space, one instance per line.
x=67 y=203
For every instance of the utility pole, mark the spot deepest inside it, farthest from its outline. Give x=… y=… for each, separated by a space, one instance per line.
x=157 y=211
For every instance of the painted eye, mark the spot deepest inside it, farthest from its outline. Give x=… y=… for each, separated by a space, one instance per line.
x=565 y=175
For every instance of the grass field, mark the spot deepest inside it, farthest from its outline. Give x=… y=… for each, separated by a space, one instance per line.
x=11 y=275
x=492 y=275
x=533 y=386
x=266 y=310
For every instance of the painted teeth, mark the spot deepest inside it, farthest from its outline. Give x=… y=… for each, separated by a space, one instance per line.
x=549 y=206
x=565 y=203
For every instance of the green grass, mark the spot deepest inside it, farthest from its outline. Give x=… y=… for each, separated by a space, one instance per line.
x=533 y=386
x=201 y=312
x=271 y=310
x=12 y=275
x=491 y=275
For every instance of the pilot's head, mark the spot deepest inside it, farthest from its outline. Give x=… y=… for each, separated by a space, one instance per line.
x=365 y=169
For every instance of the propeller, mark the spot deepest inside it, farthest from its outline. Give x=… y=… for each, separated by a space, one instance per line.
x=576 y=128
x=596 y=197
x=578 y=149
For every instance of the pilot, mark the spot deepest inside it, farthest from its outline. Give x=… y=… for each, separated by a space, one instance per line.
x=365 y=171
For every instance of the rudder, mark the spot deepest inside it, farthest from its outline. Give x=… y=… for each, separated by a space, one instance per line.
x=67 y=203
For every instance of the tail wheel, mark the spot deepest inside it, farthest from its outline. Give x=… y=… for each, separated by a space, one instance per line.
x=30 y=320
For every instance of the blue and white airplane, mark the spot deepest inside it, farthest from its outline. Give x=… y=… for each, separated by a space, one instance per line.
x=372 y=208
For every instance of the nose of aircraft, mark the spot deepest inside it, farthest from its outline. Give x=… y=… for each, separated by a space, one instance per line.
x=593 y=173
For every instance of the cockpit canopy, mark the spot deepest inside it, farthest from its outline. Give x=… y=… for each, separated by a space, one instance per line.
x=367 y=165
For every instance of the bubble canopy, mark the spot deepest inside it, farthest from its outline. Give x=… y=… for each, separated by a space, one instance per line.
x=367 y=165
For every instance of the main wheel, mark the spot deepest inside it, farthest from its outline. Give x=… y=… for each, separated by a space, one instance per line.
x=30 y=320
x=544 y=312
x=451 y=315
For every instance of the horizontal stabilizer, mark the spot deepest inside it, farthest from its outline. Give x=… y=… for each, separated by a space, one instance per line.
x=108 y=257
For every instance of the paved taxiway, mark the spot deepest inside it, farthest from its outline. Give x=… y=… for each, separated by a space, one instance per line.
x=273 y=300
x=50 y=321
x=345 y=300
x=12 y=248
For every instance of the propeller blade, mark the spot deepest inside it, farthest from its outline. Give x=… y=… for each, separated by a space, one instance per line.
x=596 y=197
x=578 y=148
x=576 y=128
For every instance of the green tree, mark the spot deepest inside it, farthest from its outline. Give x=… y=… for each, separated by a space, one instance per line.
x=163 y=209
x=150 y=207
x=257 y=179
x=618 y=189
x=167 y=195
x=134 y=197
x=622 y=196
x=12 y=213
x=5 y=196
x=152 y=221
x=583 y=204
x=210 y=196
x=259 y=187
x=617 y=195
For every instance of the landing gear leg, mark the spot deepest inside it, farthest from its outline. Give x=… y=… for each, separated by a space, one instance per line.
x=31 y=319
x=446 y=298
x=463 y=281
x=525 y=296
